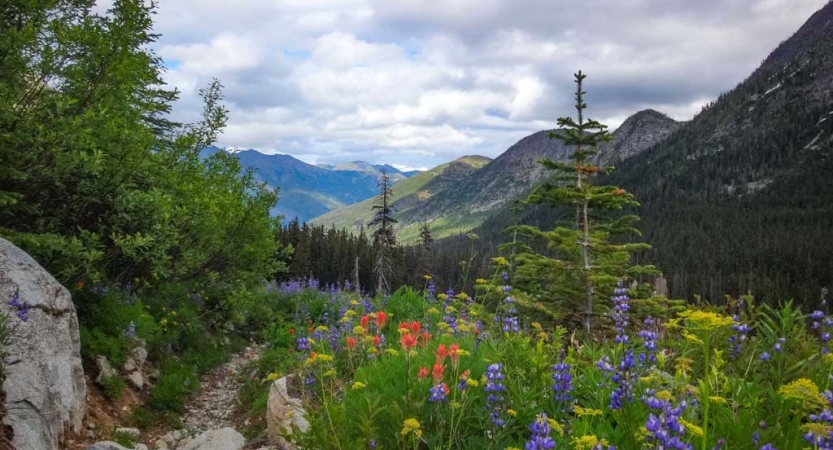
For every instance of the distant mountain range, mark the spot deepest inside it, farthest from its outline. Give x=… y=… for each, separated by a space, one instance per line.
x=478 y=187
x=306 y=190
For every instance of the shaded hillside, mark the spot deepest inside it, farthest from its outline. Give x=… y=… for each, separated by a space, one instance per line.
x=738 y=199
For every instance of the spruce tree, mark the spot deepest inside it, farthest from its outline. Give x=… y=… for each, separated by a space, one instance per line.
x=425 y=250
x=384 y=237
x=584 y=262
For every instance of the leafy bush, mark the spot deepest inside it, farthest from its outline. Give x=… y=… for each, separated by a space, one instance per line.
x=112 y=386
x=177 y=381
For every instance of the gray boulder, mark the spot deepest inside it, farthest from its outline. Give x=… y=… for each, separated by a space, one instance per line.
x=222 y=439
x=106 y=445
x=45 y=389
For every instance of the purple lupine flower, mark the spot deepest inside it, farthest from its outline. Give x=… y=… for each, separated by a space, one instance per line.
x=719 y=444
x=663 y=423
x=439 y=393
x=510 y=320
x=21 y=309
x=562 y=385
x=130 y=332
x=736 y=340
x=541 y=439
x=765 y=356
x=432 y=291
x=495 y=388
x=649 y=344
x=302 y=344
x=767 y=447
x=818 y=440
x=621 y=306
x=624 y=380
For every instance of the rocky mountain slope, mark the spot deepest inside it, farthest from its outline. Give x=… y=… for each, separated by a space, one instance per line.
x=408 y=195
x=515 y=172
x=738 y=199
x=306 y=190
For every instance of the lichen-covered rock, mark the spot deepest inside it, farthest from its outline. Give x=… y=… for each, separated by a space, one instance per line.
x=222 y=439
x=45 y=389
x=282 y=412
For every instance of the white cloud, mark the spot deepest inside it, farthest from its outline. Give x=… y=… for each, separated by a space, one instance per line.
x=420 y=82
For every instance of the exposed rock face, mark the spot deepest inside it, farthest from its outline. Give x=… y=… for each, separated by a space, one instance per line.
x=282 y=412
x=105 y=370
x=222 y=439
x=44 y=384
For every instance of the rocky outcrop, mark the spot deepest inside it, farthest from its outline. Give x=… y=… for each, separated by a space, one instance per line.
x=283 y=413
x=222 y=439
x=44 y=386
x=106 y=445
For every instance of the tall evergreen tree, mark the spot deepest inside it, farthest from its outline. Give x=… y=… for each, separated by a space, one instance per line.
x=384 y=237
x=425 y=250
x=586 y=263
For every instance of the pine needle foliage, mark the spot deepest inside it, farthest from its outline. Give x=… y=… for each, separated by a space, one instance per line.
x=583 y=261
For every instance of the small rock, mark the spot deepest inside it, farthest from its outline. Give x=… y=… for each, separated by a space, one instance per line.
x=176 y=434
x=185 y=441
x=106 y=445
x=139 y=355
x=136 y=379
x=140 y=447
x=154 y=374
x=104 y=369
x=130 y=365
x=132 y=432
x=160 y=444
x=91 y=425
x=169 y=439
x=282 y=413
x=222 y=439
x=91 y=435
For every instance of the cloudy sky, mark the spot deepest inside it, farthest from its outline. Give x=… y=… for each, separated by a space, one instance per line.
x=420 y=82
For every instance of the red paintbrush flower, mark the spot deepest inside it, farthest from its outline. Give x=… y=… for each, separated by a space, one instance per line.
x=408 y=341
x=381 y=319
x=424 y=339
x=423 y=372
x=415 y=327
x=437 y=372
x=351 y=342
x=364 y=321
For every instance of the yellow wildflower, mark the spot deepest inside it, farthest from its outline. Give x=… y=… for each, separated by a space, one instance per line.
x=556 y=426
x=450 y=309
x=411 y=426
x=472 y=382
x=692 y=338
x=480 y=281
x=442 y=326
x=442 y=296
x=580 y=411
x=692 y=428
x=321 y=328
x=354 y=302
x=427 y=277
x=511 y=412
x=664 y=394
x=403 y=330
x=543 y=336
x=818 y=429
x=461 y=296
x=706 y=320
x=683 y=364
x=433 y=310
x=391 y=352
x=272 y=377
x=349 y=313
x=500 y=261
x=537 y=326
x=803 y=390
x=373 y=315
x=344 y=319
x=359 y=385
x=717 y=399
x=588 y=442
x=463 y=328
x=358 y=329
x=330 y=373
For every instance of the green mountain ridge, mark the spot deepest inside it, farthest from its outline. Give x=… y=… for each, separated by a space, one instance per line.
x=407 y=195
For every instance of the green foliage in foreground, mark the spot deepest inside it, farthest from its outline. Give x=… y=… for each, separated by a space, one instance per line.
x=753 y=379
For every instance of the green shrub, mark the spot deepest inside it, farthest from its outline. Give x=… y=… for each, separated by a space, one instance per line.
x=143 y=417
x=95 y=342
x=112 y=386
x=124 y=439
x=177 y=381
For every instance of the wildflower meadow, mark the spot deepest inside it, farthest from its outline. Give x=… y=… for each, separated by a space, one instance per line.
x=422 y=369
